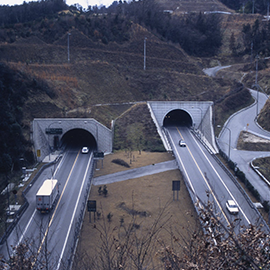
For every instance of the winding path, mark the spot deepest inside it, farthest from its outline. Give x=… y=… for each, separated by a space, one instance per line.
x=246 y=120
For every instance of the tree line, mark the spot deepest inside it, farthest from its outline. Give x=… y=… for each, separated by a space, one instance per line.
x=30 y=11
x=247 y=6
x=198 y=34
x=255 y=40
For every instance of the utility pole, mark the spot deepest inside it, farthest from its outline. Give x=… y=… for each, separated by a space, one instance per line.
x=251 y=54
x=256 y=85
x=268 y=11
x=68 y=47
x=144 y=58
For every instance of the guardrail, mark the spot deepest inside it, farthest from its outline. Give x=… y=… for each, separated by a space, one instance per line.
x=233 y=179
x=25 y=205
x=225 y=169
x=79 y=221
x=195 y=198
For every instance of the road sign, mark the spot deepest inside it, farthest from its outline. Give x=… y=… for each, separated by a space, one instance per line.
x=176 y=185
x=54 y=130
x=91 y=206
x=99 y=155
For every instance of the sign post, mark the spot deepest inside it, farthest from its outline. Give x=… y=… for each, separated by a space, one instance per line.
x=92 y=207
x=99 y=155
x=176 y=187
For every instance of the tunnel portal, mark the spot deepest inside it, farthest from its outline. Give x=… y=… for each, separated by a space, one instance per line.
x=177 y=118
x=79 y=138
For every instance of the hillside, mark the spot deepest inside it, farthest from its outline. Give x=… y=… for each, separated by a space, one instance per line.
x=106 y=67
x=191 y=6
x=101 y=74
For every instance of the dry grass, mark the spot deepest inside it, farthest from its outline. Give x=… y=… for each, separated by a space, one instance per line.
x=149 y=195
x=250 y=142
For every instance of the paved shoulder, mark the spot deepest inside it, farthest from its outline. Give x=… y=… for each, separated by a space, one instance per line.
x=135 y=173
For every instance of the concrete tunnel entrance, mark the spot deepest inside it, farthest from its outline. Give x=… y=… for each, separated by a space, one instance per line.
x=79 y=138
x=177 y=118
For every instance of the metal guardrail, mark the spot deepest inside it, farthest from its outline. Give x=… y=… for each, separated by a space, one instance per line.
x=194 y=196
x=79 y=221
x=191 y=194
x=25 y=205
x=233 y=179
x=226 y=170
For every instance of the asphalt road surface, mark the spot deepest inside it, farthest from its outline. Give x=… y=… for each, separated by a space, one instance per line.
x=205 y=176
x=51 y=235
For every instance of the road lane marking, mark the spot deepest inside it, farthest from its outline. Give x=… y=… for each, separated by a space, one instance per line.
x=30 y=220
x=223 y=182
x=22 y=236
x=73 y=214
x=214 y=196
x=51 y=220
x=192 y=188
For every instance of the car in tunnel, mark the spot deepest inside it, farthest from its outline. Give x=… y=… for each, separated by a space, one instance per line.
x=85 y=150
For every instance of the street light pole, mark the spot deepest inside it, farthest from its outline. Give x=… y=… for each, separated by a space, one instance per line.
x=68 y=46
x=230 y=137
x=256 y=84
x=144 y=58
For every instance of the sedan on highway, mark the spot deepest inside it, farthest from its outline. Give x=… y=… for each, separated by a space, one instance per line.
x=85 y=150
x=232 y=207
x=182 y=143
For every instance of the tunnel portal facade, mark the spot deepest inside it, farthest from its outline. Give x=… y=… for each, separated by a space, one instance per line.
x=51 y=133
x=194 y=114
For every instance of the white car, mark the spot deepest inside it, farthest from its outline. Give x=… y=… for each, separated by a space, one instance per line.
x=232 y=207
x=85 y=150
x=182 y=143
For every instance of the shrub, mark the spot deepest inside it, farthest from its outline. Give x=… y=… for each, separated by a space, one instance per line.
x=121 y=162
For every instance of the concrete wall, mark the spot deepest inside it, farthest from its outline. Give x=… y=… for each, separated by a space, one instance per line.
x=42 y=141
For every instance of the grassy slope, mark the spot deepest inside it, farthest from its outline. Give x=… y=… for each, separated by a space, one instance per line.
x=149 y=194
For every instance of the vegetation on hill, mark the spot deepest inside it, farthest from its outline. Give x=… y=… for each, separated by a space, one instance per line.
x=14 y=91
x=29 y=11
x=264 y=116
x=258 y=6
x=137 y=133
x=198 y=34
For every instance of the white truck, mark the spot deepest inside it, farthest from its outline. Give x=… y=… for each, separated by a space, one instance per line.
x=47 y=195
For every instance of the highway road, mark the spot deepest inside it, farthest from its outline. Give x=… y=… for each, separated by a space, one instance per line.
x=51 y=235
x=204 y=175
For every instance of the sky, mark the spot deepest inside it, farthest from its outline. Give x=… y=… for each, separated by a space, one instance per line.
x=83 y=3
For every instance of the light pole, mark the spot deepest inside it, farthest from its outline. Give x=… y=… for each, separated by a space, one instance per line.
x=68 y=46
x=230 y=137
x=256 y=85
x=144 y=57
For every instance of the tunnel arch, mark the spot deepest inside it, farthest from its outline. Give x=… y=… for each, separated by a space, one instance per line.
x=177 y=117
x=79 y=137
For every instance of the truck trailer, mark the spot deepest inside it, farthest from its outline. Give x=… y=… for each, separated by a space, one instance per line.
x=47 y=195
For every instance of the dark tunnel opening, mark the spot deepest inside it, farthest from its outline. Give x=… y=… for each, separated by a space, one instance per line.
x=177 y=118
x=78 y=138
